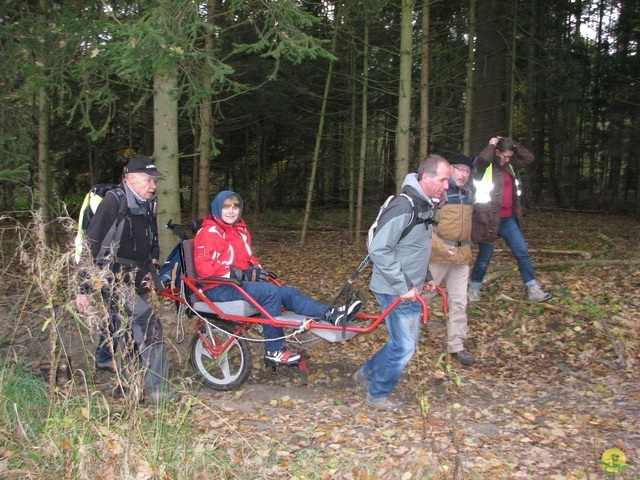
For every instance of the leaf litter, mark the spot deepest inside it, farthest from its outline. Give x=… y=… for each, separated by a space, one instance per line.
x=551 y=389
x=546 y=396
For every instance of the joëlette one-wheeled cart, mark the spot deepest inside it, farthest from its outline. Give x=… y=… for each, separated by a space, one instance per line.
x=220 y=350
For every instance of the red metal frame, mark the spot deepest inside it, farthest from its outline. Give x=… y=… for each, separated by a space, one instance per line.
x=196 y=285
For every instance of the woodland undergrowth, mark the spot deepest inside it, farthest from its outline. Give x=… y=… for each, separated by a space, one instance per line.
x=553 y=386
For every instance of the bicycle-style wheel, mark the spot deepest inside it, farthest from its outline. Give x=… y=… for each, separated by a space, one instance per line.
x=226 y=370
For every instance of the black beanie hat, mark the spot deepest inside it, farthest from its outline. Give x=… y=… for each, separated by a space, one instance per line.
x=459 y=159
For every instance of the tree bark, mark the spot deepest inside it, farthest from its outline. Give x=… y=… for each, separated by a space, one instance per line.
x=165 y=131
x=45 y=181
x=363 y=133
x=403 y=131
x=206 y=121
x=489 y=79
x=469 y=94
x=316 y=152
x=424 y=80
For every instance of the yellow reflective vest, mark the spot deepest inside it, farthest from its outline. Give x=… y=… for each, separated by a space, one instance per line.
x=488 y=181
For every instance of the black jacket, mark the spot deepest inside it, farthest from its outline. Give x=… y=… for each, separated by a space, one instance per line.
x=139 y=242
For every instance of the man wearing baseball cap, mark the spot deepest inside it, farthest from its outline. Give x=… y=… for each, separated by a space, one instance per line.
x=451 y=253
x=130 y=254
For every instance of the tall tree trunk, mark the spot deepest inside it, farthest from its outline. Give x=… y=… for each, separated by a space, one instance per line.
x=206 y=121
x=424 y=80
x=535 y=107
x=352 y=144
x=363 y=133
x=403 y=132
x=489 y=81
x=45 y=180
x=165 y=154
x=195 y=172
x=513 y=53
x=468 y=104
x=316 y=152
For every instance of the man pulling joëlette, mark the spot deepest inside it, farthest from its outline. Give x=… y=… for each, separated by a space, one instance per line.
x=400 y=270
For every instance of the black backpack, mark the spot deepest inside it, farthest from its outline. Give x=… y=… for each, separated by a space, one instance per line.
x=89 y=207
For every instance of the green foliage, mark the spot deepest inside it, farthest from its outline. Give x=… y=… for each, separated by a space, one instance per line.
x=24 y=400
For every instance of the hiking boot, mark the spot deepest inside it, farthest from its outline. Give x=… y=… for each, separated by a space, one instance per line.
x=384 y=403
x=464 y=357
x=473 y=295
x=282 y=356
x=336 y=315
x=361 y=379
x=106 y=366
x=536 y=294
x=159 y=397
x=120 y=391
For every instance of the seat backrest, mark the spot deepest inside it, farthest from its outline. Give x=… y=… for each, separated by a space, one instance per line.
x=239 y=308
x=189 y=264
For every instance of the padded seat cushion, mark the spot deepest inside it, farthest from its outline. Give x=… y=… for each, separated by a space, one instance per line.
x=239 y=308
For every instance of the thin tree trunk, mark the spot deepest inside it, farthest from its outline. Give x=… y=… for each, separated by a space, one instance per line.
x=165 y=148
x=316 y=153
x=468 y=105
x=352 y=146
x=195 y=175
x=45 y=181
x=363 y=133
x=204 y=158
x=512 y=71
x=424 y=80
x=404 y=94
x=206 y=121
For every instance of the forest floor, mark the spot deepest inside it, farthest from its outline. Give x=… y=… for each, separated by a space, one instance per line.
x=554 y=386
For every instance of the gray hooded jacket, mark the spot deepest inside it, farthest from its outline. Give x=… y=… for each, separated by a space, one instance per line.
x=400 y=265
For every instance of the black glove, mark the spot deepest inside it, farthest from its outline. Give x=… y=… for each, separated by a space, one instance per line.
x=236 y=273
x=251 y=274
x=255 y=274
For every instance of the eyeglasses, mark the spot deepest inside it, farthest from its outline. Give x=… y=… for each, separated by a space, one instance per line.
x=505 y=156
x=463 y=170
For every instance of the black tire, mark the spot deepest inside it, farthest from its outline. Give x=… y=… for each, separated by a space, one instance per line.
x=227 y=371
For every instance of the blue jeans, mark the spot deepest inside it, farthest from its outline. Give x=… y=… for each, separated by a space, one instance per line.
x=510 y=231
x=386 y=366
x=272 y=298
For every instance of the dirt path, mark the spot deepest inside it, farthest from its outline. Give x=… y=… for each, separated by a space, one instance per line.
x=545 y=398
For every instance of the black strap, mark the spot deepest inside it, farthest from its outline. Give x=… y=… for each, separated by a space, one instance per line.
x=417 y=221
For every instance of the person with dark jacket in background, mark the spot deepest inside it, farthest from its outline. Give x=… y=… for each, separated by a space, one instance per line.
x=451 y=253
x=401 y=270
x=497 y=212
x=223 y=248
x=136 y=254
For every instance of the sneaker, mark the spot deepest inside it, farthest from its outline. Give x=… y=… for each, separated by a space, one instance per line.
x=473 y=295
x=536 y=294
x=361 y=379
x=282 y=355
x=336 y=315
x=106 y=366
x=464 y=357
x=383 y=403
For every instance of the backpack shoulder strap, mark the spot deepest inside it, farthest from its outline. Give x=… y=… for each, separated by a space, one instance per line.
x=114 y=235
x=415 y=220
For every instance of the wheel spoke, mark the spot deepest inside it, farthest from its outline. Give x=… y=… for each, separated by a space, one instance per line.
x=227 y=370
